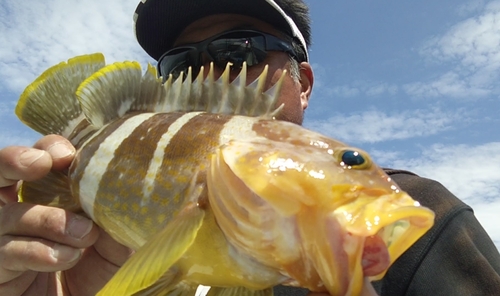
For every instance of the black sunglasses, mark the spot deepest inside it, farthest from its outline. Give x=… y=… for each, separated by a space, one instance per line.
x=233 y=47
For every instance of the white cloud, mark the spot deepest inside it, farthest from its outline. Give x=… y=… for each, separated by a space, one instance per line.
x=39 y=34
x=381 y=89
x=362 y=88
x=473 y=48
x=344 y=91
x=450 y=84
x=474 y=42
x=323 y=86
x=377 y=126
x=472 y=172
x=487 y=214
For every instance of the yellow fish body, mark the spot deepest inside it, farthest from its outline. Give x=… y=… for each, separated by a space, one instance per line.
x=197 y=177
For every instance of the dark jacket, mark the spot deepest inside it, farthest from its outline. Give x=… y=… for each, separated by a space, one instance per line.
x=456 y=257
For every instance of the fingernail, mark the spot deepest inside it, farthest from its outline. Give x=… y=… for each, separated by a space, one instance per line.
x=65 y=253
x=79 y=227
x=59 y=150
x=28 y=157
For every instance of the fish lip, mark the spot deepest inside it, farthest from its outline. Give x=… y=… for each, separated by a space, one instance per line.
x=395 y=218
x=368 y=214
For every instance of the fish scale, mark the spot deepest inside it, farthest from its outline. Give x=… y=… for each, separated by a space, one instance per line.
x=171 y=178
x=198 y=178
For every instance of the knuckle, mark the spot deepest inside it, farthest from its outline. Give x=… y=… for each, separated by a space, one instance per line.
x=4 y=241
x=17 y=254
x=47 y=141
x=52 y=220
x=34 y=250
x=32 y=220
x=22 y=163
x=8 y=158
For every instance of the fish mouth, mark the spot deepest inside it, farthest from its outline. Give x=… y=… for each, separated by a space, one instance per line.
x=392 y=221
x=360 y=238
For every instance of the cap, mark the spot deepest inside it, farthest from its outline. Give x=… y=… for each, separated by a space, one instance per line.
x=158 y=23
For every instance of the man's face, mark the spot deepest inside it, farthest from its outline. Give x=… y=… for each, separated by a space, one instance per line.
x=294 y=94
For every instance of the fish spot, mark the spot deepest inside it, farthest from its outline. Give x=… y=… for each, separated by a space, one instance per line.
x=161 y=218
x=155 y=198
x=166 y=201
x=124 y=207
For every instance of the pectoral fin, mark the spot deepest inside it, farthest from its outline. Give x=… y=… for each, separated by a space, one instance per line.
x=168 y=285
x=158 y=255
x=239 y=291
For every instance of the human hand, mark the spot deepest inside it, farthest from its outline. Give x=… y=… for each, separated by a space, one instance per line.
x=38 y=241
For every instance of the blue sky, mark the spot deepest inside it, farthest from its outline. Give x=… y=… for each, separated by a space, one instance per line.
x=413 y=83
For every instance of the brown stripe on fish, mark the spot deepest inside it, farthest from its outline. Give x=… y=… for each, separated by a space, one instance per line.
x=96 y=155
x=84 y=156
x=121 y=186
x=81 y=132
x=187 y=154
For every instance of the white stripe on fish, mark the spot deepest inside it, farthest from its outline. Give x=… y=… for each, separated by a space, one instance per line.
x=103 y=156
x=159 y=154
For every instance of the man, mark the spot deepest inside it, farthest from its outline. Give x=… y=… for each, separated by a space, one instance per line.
x=456 y=257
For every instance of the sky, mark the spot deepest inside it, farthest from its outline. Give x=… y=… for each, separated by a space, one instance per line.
x=414 y=83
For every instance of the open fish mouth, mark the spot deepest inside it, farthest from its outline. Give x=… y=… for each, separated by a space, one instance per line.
x=390 y=223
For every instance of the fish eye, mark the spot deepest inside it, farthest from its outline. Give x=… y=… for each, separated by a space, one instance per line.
x=354 y=159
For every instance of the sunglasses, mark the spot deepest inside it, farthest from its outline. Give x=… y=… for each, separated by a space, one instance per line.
x=233 y=47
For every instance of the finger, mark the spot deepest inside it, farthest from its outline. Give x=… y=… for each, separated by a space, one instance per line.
x=21 y=285
x=60 y=149
x=53 y=224
x=90 y=274
x=98 y=265
x=111 y=250
x=22 y=163
x=20 y=254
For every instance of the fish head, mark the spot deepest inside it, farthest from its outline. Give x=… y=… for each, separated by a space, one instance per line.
x=352 y=219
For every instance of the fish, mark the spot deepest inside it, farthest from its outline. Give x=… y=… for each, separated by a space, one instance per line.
x=200 y=179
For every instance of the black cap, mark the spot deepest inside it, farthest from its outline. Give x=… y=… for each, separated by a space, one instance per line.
x=158 y=23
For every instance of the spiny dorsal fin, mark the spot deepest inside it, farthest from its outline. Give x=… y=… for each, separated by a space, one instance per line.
x=151 y=91
x=118 y=88
x=49 y=105
x=221 y=95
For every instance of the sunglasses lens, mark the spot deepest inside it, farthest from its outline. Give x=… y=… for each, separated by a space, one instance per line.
x=178 y=61
x=234 y=47
x=237 y=50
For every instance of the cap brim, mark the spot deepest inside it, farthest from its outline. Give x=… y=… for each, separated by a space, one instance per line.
x=158 y=23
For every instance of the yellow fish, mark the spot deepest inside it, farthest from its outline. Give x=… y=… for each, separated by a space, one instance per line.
x=199 y=179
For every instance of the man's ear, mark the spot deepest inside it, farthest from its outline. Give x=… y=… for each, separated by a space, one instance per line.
x=306 y=82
